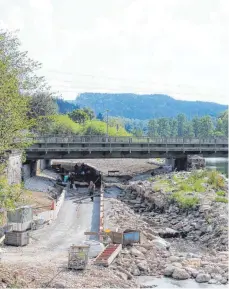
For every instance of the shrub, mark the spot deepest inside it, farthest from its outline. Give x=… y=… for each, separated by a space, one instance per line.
x=216 y=180
x=221 y=199
x=198 y=187
x=62 y=124
x=221 y=193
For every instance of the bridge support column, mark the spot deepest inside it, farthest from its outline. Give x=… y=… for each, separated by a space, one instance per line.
x=170 y=162
x=181 y=164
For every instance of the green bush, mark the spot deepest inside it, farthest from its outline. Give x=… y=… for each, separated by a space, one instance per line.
x=97 y=127
x=221 y=199
x=63 y=124
x=221 y=193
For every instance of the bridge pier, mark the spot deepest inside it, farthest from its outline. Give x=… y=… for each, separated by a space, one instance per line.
x=170 y=162
x=181 y=164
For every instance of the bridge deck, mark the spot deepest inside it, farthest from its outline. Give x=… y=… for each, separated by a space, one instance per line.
x=115 y=147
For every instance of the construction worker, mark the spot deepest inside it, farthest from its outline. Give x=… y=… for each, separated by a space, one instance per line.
x=91 y=190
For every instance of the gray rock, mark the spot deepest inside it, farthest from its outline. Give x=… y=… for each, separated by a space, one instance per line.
x=212 y=281
x=129 y=276
x=202 y=277
x=122 y=275
x=180 y=274
x=169 y=270
x=168 y=233
x=223 y=281
x=174 y=259
x=135 y=271
x=192 y=271
x=136 y=253
x=143 y=266
x=58 y=285
x=143 y=250
x=187 y=228
x=160 y=243
x=176 y=264
x=217 y=277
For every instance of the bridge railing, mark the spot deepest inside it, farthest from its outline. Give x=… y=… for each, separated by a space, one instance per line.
x=104 y=139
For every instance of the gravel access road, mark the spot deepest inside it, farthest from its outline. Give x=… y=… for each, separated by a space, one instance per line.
x=50 y=244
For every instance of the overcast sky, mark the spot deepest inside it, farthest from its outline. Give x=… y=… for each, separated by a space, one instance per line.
x=176 y=47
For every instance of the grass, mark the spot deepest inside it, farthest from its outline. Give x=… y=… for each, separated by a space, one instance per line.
x=186 y=190
x=221 y=199
x=184 y=200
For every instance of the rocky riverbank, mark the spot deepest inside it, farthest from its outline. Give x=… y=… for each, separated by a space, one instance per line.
x=184 y=225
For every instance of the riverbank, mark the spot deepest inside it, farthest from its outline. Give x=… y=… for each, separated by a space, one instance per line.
x=183 y=220
x=176 y=242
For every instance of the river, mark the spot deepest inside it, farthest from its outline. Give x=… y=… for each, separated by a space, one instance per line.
x=219 y=164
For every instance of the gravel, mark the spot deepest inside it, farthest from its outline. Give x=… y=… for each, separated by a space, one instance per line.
x=124 y=166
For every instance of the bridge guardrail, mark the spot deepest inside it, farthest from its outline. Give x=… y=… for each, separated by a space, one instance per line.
x=137 y=140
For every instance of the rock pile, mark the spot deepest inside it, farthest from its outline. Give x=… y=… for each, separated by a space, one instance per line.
x=206 y=223
x=165 y=245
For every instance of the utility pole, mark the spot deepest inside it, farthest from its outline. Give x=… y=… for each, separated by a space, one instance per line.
x=107 y=121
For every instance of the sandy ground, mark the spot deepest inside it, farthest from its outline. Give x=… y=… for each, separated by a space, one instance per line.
x=124 y=166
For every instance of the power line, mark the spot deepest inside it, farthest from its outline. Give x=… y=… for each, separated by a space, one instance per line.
x=117 y=79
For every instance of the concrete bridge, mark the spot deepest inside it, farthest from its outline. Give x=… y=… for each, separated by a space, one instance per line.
x=74 y=147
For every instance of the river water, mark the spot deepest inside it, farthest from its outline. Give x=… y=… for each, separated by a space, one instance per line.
x=219 y=164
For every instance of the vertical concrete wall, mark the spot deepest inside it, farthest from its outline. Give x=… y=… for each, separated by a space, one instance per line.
x=26 y=171
x=42 y=165
x=181 y=164
x=14 y=167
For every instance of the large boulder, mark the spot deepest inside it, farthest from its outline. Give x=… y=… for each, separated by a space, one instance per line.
x=202 y=278
x=180 y=274
x=169 y=270
x=168 y=233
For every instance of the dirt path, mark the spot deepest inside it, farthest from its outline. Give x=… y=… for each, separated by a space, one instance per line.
x=50 y=244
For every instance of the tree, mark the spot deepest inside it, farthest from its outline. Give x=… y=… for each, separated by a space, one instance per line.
x=206 y=127
x=14 y=121
x=163 y=127
x=188 y=130
x=42 y=106
x=89 y=112
x=137 y=132
x=196 y=126
x=100 y=116
x=224 y=118
x=181 y=122
x=79 y=115
x=173 y=127
x=19 y=63
x=152 y=128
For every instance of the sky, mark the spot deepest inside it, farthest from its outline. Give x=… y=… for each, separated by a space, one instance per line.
x=174 y=47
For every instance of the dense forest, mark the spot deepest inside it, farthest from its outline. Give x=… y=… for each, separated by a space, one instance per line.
x=145 y=107
x=180 y=126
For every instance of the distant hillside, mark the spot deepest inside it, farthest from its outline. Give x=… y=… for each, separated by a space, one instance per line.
x=65 y=106
x=145 y=106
